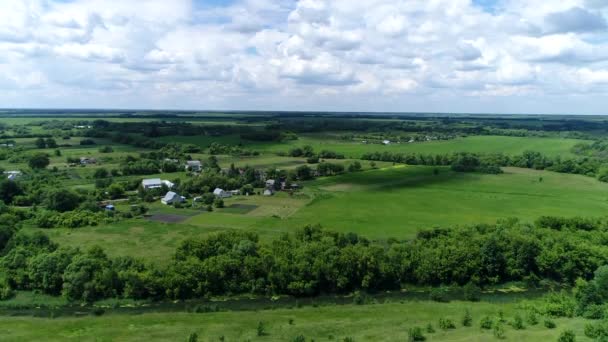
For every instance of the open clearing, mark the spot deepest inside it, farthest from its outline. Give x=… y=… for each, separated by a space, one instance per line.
x=323 y=323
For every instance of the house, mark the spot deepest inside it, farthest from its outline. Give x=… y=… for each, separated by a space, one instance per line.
x=110 y=207
x=12 y=175
x=220 y=193
x=7 y=145
x=235 y=192
x=169 y=160
x=153 y=183
x=169 y=184
x=172 y=197
x=270 y=184
x=87 y=161
x=194 y=165
x=386 y=142
x=268 y=192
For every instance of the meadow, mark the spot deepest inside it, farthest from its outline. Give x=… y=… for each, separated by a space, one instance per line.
x=355 y=149
x=375 y=322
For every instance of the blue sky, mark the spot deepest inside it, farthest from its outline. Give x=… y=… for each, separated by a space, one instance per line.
x=492 y=56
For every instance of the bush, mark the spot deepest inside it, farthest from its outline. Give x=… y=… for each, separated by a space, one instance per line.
x=192 y=337
x=550 y=324
x=518 y=322
x=499 y=331
x=592 y=331
x=532 y=318
x=471 y=292
x=594 y=311
x=430 y=329
x=261 y=329
x=567 y=336
x=486 y=323
x=415 y=334
x=299 y=338
x=439 y=294
x=446 y=323
x=467 y=320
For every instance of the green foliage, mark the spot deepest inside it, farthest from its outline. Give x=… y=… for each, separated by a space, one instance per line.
x=567 y=336
x=39 y=161
x=499 y=331
x=467 y=319
x=261 y=329
x=193 y=337
x=471 y=292
x=439 y=294
x=446 y=324
x=486 y=323
x=532 y=317
x=430 y=329
x=549 y=324
x=415 y=334
x=62 y=200
x=518 y=322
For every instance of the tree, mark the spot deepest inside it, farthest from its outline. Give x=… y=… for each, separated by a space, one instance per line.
x=39 y=161
x=51 y=143
x=8 y=190
x=219 y=203
x=304 y=172
x=40 y=143
x=62 y=200
x=116 y=190
x=100 y=173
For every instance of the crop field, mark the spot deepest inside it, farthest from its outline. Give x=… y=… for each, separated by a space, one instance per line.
x=322 y=323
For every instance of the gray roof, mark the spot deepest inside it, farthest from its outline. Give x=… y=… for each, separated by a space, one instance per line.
x=153 y=181
x=170 y=195
x=193 y=162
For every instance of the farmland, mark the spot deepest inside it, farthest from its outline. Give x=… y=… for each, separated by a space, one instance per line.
x=423 y=211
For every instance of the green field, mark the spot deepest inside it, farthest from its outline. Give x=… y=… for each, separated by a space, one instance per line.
x=354 y=149
x=392 y=202
x=378 y=322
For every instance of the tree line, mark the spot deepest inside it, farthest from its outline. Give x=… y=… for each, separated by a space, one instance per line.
x=312 y=261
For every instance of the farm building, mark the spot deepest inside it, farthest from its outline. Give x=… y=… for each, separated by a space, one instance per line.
x=270 y=184
x=153 y=183
x=268 y=192
x=12 y=175
x=87 y=161
x=220 y=193
x=194 y=165
x=386 y=142
x=172 y=197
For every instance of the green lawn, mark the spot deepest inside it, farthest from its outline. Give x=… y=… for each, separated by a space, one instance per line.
x=399 y=201
x=378 y=322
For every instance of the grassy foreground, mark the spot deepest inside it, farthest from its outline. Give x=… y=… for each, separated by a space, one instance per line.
x=377 y=322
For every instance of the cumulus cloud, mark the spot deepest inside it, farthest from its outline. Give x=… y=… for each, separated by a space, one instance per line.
x=305 y=54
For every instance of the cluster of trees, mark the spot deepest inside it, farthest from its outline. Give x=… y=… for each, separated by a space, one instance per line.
x=45 y=143
x=307 y=151
x=216 y=148
x=313 y=261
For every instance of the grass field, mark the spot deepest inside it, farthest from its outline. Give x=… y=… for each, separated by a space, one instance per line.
x=391 y=202
x=377 y=322
x=354 y=149
x=397 y=202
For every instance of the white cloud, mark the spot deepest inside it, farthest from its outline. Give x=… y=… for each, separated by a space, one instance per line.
x=281 y=54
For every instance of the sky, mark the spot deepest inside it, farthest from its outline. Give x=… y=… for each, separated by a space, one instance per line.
x=471 y=56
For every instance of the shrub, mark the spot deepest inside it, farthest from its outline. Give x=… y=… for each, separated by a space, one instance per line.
x=415 y=334
x=592 y=331
x=550 y=324
x=446 y=323
x=192 y=337
x=499 y=331
x=567 y=336
x=467 y=319
x=439 y=294
x=518 y=322
x=532 y=318
x=486 y=323
x=471 y=292
x=299 y=338
x=430 y=329
x=261 y=329
x=594 y=311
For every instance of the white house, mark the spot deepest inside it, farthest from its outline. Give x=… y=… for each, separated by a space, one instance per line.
x=194 y=165
x=270 y=183
x=87 y=160
x=169 y=184
x=386 y=142
x=153 y=183
x=220 y=193
x=268 y=192
x=172 y=197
